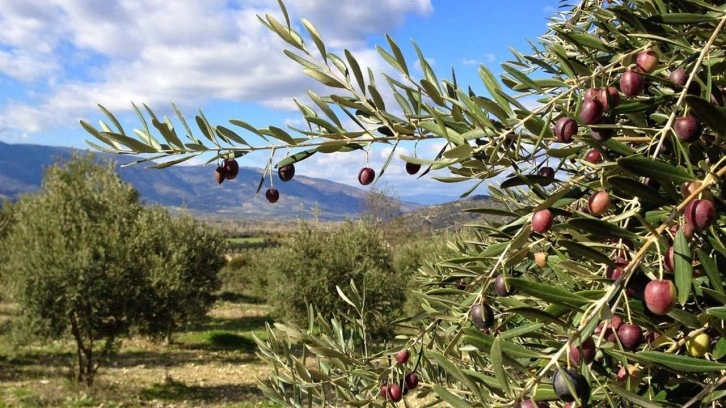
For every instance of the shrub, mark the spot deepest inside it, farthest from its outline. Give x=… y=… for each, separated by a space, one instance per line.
x=181 y=263
x=313 y=261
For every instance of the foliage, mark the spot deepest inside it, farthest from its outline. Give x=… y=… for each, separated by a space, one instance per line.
x=648 y=150
x=83 y=257
x=313 y=262
x=249 y=271
x=69 y=261
x=181 y=263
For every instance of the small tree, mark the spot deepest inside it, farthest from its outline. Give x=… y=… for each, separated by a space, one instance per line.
x=313 y=262
x=69 y=262
x=610 y=141
x=181 y=261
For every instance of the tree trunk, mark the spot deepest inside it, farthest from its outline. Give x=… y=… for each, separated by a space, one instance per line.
x=75 y=331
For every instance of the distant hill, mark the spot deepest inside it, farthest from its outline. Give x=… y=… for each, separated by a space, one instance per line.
x=451 y=215
x=191 y=187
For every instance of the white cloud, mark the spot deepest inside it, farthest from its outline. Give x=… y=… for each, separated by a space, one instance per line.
x=85 y=52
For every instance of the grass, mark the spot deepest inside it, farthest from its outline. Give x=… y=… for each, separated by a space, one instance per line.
x=211 y=365
x=246 y=240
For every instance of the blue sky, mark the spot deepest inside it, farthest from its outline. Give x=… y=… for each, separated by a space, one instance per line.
x=59 y=58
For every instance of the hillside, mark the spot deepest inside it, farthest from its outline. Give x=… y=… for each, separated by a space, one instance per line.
x=190 y=187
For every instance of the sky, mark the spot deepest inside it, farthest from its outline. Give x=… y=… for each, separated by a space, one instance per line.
x=60 y=58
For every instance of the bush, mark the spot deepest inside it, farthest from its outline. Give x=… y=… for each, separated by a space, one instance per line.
x=249 y=272
x=313 y=261
x=181 y=263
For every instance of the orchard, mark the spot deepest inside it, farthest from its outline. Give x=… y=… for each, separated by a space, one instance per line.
x=601 y=286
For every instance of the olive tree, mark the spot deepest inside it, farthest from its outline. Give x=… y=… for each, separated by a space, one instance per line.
x=602 y=283
x=83 y=258
x=181 y=262
x=68 y=259
x=314 y=263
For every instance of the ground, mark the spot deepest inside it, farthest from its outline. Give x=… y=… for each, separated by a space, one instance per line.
x=212 y=365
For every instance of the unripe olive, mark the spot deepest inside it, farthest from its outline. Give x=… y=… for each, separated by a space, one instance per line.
x=698 y=345
x=540 y=258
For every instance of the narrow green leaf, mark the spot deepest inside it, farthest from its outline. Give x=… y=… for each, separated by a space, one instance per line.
x=498 y=365
x=324 y=107
x=521 y=77
x=719 y=350
x=683 y=267
x=493 y=87
x=357 y=73
x=675 y=362
x=589 y=41
x=681 y=18
x=450 y=398
x=713 y=116
x=433 y=92
x=537 y=315
x=206 y=129
x=132 y=144
x=484 y=343
x=655 y=169
x=281 y=135
x=377 y=98
x=459 y=152
x=294 y=158
x=167 y=133
x=245 y=126
x=581 y=250
x=398 y=54
x=230 y=135
x=172 y=162
x=548 y=292
x=324 y=78
x=718 y=312
x=599 y=228
x=453 y=370
x=317 y=39
x=113 y=119
x=711 y=268
x=637 y=399
x=287 y=34
x=632 y=188
x=685 y=318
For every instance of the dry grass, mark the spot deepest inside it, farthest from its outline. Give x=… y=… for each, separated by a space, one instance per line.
x=209 y=366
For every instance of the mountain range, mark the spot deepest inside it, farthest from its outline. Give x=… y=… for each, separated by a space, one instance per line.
x=193 y=187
